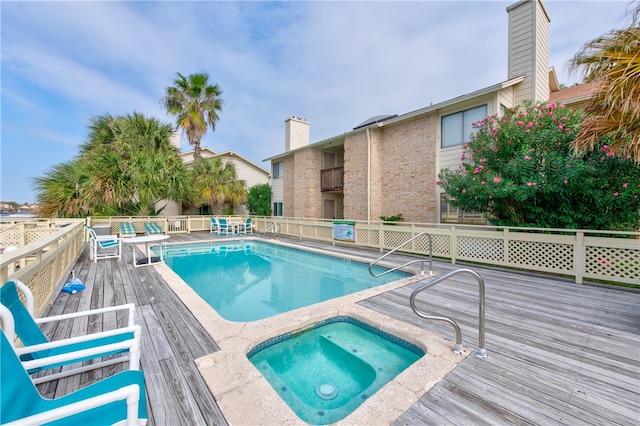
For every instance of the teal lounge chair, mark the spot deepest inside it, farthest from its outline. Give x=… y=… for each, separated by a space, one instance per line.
x=152 y=228
x=224 y=227
x=246 y=227
x=104 y=246
x=127 y=229
x=118 y=398
x=39 y=354
x=213 y=226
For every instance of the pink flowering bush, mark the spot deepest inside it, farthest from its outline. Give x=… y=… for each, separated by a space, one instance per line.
x=521 y=171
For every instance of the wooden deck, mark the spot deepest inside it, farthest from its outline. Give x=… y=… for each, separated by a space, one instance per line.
x=558 y=353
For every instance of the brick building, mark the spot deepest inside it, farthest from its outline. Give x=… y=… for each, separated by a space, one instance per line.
x=388 y=165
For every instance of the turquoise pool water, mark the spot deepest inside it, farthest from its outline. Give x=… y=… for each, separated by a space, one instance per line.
x=324 y=373
x=249 y=281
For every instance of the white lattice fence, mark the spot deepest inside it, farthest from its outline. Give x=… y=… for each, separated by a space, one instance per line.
x=368 y=237
x=612 y=262
x=478 y=248
x=392 y=239
x=541 y=256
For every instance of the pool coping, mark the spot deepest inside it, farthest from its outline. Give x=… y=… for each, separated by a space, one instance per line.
x=246 y=397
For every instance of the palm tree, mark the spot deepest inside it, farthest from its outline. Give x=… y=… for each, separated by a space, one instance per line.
x=613 y=61
x=215 y=183
x=195 y=103
x=126 y=167
x=61 y=192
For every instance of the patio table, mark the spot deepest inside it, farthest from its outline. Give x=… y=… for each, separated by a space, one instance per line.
x=148 y=241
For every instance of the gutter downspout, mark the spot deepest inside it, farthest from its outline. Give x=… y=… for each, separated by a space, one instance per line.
x=368 y=177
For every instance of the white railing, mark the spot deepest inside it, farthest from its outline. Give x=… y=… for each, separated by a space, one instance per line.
x=42 y=264
x=582 y=254
x=47 y=250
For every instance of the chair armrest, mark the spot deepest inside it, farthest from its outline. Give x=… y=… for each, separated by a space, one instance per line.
x=107 y=237
x=132 y=344
x=130 y=393
x=130 y=306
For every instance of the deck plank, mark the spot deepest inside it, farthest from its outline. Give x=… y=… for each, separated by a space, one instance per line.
x=558 y=353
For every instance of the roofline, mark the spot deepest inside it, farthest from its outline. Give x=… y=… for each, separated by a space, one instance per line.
x=230 y=153
x=402 y=117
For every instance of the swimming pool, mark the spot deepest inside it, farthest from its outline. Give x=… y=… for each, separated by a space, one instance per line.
x=252 y=280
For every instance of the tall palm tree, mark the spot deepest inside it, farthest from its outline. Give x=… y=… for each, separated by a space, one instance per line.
x=215 y=183
x=195 y=103
x=613 y=61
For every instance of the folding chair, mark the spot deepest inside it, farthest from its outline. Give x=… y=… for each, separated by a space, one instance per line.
x=104 y=246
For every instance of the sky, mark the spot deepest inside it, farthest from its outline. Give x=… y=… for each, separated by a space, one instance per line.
x=333 y=63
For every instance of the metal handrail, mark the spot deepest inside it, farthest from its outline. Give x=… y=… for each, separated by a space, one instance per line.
x=408 y=263
x=274 y=227
x=481 y=351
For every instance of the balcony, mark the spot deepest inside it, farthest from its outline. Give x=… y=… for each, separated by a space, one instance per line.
x=332 y=179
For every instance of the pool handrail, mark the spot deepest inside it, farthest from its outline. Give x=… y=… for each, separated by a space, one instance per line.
x=371 y=265
x=481 y=351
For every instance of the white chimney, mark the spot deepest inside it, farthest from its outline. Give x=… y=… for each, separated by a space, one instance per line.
x=296 y=133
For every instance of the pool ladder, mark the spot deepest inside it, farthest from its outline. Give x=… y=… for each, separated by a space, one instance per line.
x=481 y=351
x=272 y=227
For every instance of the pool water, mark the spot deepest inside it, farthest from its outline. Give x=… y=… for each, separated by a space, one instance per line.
x=326 y=372
x=249 y=281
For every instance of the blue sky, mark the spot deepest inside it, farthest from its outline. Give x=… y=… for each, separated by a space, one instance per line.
x=333 y=63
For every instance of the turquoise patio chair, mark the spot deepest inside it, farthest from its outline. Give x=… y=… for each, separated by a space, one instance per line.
x=224 y=227
x=127 y=229
x=118 y=398
x=39 y=354
x=152 y=228
x=104 y=246
x=213 y=226
x=246 y=227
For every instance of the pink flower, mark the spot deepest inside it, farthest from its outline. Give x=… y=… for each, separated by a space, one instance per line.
x=519 y=123
x=464 y=191
x=497 y=180
x=560 y=126
x=531 y=184
x=482 y=183
x=610 y=154
x=438 y=182
x=615 y=194
x=476 y=170
x=532 y=149
x=529 y=124
x=526 y=157
x=624 y=185
x=565 y=181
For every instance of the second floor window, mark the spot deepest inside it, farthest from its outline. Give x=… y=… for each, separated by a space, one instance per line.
x=456 y=128
x=278 y=170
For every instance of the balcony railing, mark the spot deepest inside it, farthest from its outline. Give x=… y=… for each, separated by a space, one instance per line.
x=332 y=179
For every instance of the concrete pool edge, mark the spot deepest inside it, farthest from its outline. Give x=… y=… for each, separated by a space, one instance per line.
x=246 y=397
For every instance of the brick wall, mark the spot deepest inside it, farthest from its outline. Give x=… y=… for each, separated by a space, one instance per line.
x=403 y=171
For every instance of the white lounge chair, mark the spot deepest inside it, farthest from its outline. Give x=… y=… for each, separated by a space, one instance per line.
x=104 y=246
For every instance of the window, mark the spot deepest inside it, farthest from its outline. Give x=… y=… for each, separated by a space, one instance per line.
x=452 y=214
x=456 y=128
x=277 y=209
x=278 y=170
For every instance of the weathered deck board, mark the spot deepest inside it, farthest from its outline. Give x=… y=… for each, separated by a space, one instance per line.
x=559 y=353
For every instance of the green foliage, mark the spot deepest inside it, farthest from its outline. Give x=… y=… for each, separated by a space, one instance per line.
x=259 y=200
x=216 y=184
x=521 y=171
x=126 y=166
x=389 y=220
